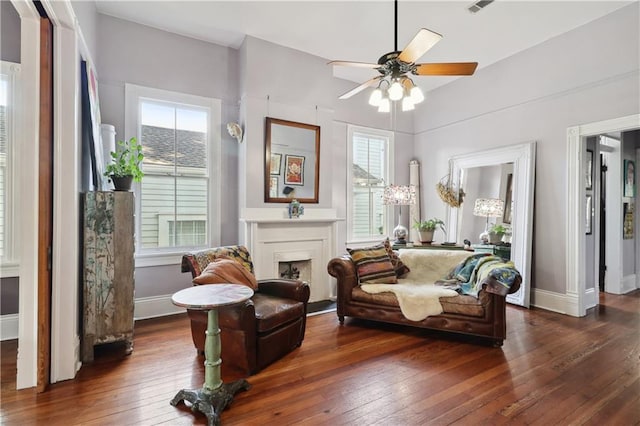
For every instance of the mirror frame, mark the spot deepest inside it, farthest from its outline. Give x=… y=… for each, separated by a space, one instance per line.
x=523 y=158
x=267 y=160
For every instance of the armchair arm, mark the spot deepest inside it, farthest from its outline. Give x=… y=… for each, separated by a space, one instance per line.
x=289 y=289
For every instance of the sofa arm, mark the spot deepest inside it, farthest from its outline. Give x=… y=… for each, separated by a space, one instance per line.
x=343 y=269
x=491 y=285
x=288 y=289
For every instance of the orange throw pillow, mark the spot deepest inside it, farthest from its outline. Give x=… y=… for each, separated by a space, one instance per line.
x=226 y=271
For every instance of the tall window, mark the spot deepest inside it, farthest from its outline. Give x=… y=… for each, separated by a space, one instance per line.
x=177 y=206
x=9 y=77
x=370 y=168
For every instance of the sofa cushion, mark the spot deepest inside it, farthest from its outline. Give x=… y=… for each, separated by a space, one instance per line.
x=226 y=271
x=401 y=269
x=373 y=265
x=461 y=304
x=272 y=312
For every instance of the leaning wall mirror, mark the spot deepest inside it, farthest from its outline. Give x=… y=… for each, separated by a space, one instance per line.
x=292 y=161
x=513 y=168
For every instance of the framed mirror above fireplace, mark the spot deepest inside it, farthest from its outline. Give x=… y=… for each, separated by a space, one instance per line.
x=292 y=161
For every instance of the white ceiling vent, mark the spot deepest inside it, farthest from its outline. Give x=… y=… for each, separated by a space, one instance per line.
x=479 y=5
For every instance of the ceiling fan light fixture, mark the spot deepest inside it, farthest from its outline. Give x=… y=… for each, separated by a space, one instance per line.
x=407 y=104
x=385 y=105
x=395 y=91
x=416 y=95
x=376 y=97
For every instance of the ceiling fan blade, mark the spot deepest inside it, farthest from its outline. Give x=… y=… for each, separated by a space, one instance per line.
x=451 y=68
x=423 y=41
x=360 y=88
x=354 y=64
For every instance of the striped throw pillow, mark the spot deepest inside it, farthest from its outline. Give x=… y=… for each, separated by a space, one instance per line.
x=373 y=265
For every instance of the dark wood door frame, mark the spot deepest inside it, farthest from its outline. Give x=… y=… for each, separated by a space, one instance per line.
x=45 y=205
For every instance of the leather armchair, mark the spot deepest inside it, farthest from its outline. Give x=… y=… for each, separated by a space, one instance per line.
x=259 y=331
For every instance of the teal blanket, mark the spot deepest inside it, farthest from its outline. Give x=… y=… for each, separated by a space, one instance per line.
x=471 y=274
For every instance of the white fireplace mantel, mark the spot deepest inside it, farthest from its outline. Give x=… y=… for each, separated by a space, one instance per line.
x=272 y=237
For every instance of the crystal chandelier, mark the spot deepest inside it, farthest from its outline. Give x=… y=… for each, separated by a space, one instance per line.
x=396 y=89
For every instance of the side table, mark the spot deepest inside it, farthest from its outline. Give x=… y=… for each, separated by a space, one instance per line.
x=214 y=396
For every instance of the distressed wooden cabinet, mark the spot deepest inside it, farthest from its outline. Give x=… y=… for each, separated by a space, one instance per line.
x=108 y=270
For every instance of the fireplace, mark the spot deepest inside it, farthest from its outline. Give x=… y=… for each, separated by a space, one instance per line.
x=283 y=247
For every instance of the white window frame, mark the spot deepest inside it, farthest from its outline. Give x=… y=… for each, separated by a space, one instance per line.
x=10 y=264
x=163 y=224
x=389 y=160
x=133 y=95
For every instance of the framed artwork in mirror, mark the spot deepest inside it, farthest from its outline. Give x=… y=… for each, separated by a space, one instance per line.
x=629 y=177
x=276 y=159
x=589 y=171
x=298 y=144
x=588 y=214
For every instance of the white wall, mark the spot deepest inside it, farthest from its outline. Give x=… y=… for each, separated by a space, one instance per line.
x=87 y=16
x=586 y=75
x=134 y=53
x=10 y=30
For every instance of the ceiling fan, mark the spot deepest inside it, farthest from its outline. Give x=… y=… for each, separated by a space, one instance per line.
x=395 y=66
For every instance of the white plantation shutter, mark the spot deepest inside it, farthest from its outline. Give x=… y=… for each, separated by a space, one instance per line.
x=370 y=152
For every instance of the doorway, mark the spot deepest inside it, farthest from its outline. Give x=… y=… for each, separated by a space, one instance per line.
x=602 y=264
x=577 y=296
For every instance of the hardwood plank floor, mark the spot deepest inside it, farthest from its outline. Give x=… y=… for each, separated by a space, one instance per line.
x=552 y=369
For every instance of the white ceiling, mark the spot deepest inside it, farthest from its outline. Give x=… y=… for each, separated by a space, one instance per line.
x=364 y=30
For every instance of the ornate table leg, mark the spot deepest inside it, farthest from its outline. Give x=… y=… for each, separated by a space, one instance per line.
x=214 y=396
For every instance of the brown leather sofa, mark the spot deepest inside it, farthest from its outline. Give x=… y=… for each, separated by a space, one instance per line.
x=259 y=331
x=484 y=316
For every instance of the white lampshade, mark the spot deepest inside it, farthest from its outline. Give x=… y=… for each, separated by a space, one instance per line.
x=376 y=97
x=407 y=104
x=395 y=91
x=385 y=105
x=416 y=95
x=399 y=195
x=488 y=207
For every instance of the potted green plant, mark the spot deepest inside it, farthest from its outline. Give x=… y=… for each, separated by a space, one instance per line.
x=125 y=165
x=496 y=233
x=427 y=228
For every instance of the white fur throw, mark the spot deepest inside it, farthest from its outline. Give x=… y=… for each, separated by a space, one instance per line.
x=417 y=296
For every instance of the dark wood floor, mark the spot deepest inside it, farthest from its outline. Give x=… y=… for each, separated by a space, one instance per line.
x=552 y=369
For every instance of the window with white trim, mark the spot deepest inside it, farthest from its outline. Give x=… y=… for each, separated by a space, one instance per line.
x=177 y=202
x=370 y=160
x=9 y=86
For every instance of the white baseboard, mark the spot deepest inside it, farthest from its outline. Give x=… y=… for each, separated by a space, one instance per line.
x=555 y=302
x=629 y=283
x=155 y=306
x=9 y=327
x=590 y=298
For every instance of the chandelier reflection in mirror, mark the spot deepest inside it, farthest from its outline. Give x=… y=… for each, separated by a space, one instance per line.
x=393 y=89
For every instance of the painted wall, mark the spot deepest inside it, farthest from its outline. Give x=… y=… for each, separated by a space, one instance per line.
x=133 y=53
x=10 y=33
x=536 y=95
x=308 y=95
x=87 y=15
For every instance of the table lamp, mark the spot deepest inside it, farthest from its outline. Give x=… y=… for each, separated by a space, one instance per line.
x=488 y=207
x=399 y=195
